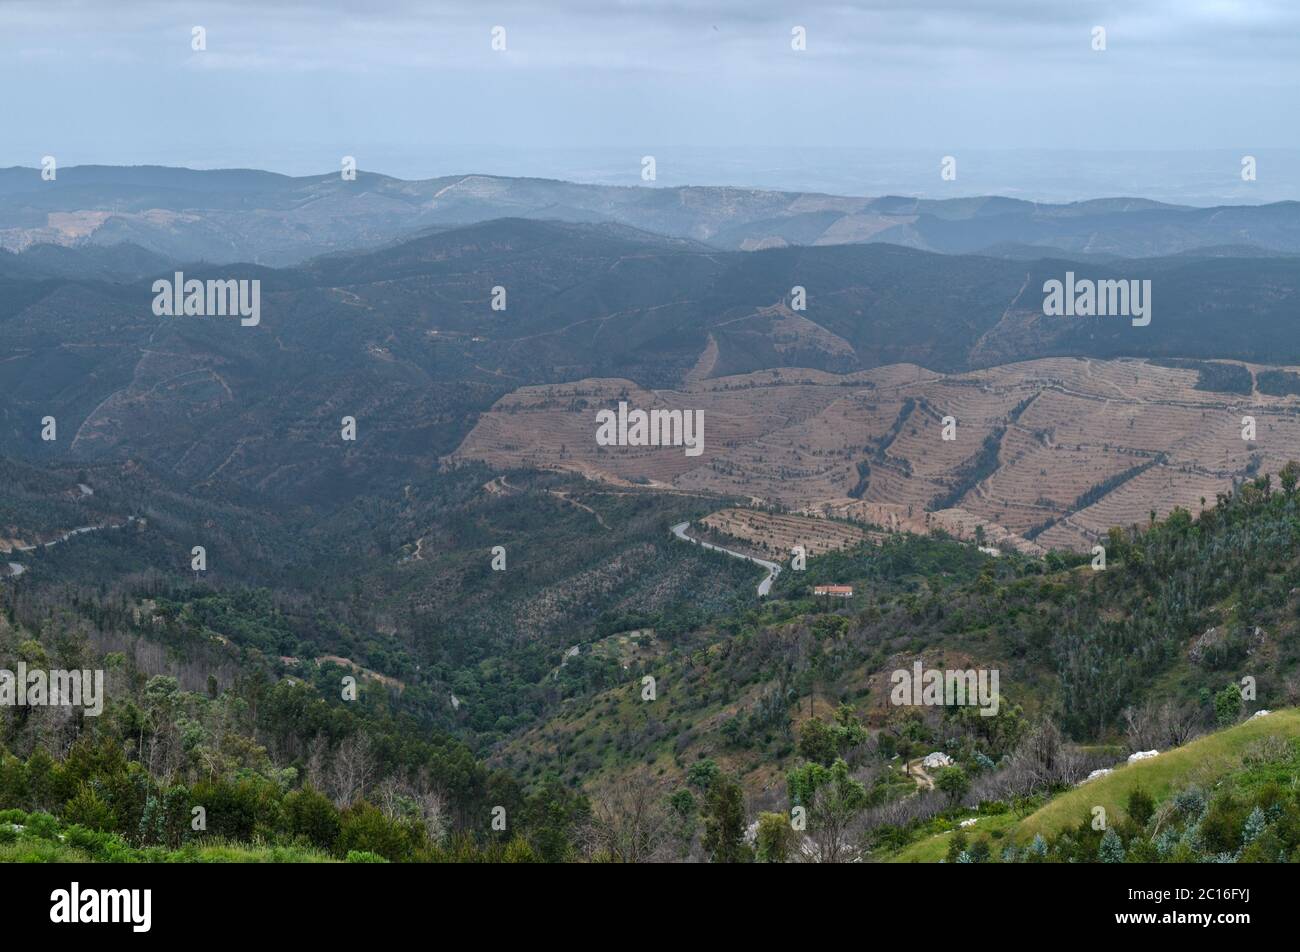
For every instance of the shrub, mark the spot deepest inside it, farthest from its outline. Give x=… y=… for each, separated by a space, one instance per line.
x=1140 y=806
x=774 y=838
x=518 y=850
x=1111 y=849
x=88 y=810
x=1221 y=829
x=311 y=815
x=42 y=825
x=362 y=856
x=105 y=847
x=238 y=810
x=365 y=828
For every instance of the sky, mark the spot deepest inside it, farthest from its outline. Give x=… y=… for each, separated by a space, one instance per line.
x=1013 y=89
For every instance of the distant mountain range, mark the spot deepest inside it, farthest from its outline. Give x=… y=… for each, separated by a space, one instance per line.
x=276 y=220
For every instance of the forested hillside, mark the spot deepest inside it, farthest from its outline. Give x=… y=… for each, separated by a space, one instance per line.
x=753 y=712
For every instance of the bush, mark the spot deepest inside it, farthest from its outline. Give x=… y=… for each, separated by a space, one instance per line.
x=365 y=829
x=1111 y=849
x=774 y=839
x=311 y=815
x=47 y=781
x=1140 y=806
x=1222 y=827
x=42 y=825
x=238 y=810
x=362 y=856
x=88 y=810
x=518 y=850
x=105 y=847
x=956 y=846
x=952 y=781
x=13 y=780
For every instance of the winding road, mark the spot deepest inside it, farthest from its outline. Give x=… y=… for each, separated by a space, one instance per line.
x=773 y=570
x=17 y=568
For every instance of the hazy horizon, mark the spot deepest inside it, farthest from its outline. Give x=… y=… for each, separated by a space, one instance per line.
x=1198 y=178
x=1014 y=90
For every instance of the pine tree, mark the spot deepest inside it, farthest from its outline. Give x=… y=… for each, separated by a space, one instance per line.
x=724 y=822
x=1112 y=848
x=1254 y=826
x=1038 y=847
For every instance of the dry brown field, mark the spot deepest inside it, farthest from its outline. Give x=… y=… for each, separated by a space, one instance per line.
x=774 y=535
x=797 y=438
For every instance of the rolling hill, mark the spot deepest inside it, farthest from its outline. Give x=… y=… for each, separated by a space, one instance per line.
x=232 y=215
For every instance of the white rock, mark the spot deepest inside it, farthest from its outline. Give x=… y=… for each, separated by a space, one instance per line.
x=937 y=759
x=970 y=822
x=1095 y=774
x=1142 y=755
x=1260 y=714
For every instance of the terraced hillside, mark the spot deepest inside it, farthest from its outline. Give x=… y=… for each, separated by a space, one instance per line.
x=774 y=535
x=1054 y=451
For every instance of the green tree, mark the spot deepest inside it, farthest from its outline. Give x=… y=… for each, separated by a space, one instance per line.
x=1111 y=849
x=702 y=773
x=956 y=845
x=952 y=781
x=87 y=809
x=1227 y=706
x=774 y=839
x=311 y=815
x=724 y=822
x=1254 y=825
x=366 y=829
x=833 y=799
x=551 y=818
x=1290 y=477
x=683 y=820
x=1140 y=806
x=817 y=742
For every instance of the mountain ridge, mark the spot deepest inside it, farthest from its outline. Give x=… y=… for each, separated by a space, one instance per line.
x=226 y=214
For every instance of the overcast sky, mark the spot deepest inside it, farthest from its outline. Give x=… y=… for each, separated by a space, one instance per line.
x=411 y=88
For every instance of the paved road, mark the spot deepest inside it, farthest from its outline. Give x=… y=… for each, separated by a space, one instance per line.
x=16 y=569
x=773 y=570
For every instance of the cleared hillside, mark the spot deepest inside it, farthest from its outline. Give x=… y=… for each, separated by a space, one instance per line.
x=1057 y=450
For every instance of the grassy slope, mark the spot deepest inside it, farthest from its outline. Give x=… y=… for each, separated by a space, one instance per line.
x=932 y=849
x=35 y=850
x=1201 y=761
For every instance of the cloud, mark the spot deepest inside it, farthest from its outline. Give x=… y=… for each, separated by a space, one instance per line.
x=662 y=36
x=281 y=74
